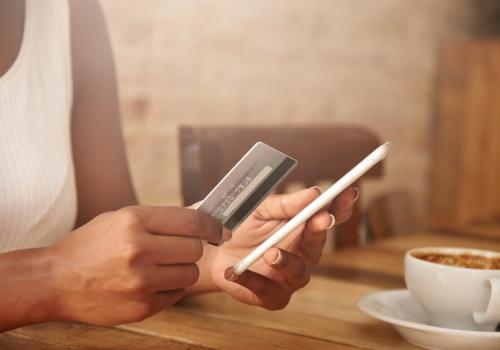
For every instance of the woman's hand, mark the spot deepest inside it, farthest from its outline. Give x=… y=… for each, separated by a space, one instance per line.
x=126 y=265
x=272 y=280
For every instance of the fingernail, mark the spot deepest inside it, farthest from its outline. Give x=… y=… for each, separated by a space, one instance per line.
x=215 y=244
x=332 y=223
x=317 y=188
x=278 y=259
x=356 y=194
x=230 y=275
x=226 y=235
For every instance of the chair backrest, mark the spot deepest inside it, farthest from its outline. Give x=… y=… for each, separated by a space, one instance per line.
x=391 y=214
x=325 y=153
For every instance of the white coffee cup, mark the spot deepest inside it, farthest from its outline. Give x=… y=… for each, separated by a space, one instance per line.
x=455 y=297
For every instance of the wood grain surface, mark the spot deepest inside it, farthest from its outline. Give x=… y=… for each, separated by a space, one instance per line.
x=466 y=166
x=323 y=315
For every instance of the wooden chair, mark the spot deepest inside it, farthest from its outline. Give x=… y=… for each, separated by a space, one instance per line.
x=390 y=214
x=324 y=153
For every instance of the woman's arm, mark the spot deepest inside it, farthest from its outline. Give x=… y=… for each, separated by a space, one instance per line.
x=26 y=288
x=109 y=271
x=113 y=260
x=102 y=174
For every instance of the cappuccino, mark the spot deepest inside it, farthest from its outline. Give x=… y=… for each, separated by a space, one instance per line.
x=461 y=260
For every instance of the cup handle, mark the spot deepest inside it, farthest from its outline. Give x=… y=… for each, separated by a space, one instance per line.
x=492 y=312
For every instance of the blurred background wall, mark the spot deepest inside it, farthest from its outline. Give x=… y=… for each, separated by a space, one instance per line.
x=280 y=62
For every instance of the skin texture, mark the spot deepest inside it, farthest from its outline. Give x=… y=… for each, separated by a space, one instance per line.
x=124 y=262
x=11 y=27
x=125 y=265
x=284 y=269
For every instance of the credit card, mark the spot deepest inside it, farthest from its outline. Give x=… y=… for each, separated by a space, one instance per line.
x=247 y=184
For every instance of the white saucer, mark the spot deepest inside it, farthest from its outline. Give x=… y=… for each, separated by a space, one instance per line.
x=398 y=308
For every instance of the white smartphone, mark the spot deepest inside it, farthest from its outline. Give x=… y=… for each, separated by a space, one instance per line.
x=326 y=198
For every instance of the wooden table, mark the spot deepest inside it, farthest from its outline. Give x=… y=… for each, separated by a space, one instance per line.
x=488 y=230
x=323 y=315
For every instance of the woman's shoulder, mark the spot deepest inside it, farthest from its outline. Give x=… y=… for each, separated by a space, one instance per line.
x=91 y=49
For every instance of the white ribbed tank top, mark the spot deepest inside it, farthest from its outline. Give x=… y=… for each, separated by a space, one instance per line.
x=37 y=186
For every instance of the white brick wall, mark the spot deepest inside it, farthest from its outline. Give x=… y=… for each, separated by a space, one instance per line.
x=275 y=62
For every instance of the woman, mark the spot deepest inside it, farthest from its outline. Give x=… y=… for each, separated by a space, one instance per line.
x=75 y=245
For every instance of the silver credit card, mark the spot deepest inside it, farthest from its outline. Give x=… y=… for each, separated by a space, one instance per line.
x=247 y=184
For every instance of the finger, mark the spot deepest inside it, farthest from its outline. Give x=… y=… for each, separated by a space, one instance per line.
x=344 y=203
x=312 y=244
x=290 y=269
x=175 y=221
x=264 y=292
x=285 y=206
x=171 y=277
x=165 y=250
x=163 y=300
x=226 y=234
x=314 y=238
x=320 y=221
